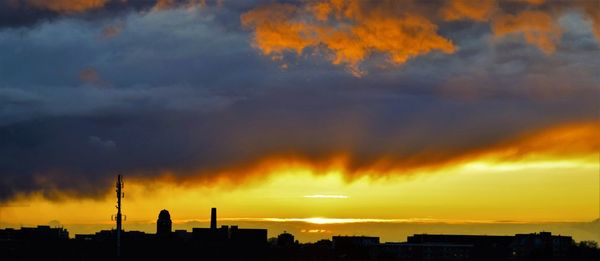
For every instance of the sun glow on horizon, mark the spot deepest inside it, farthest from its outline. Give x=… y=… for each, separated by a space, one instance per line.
x=443 y=195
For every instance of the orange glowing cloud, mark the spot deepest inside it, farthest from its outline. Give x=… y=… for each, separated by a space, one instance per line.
x=564 y=141
x=321 y=10
x=67 y=6
x=573 y=144
x=576 y=142
x=78 y=6
x=592 y=11
x=164 y=4
x=468 y=10
x=350 y=31
x=533 y=2
x=537 y=27
x=274 y=30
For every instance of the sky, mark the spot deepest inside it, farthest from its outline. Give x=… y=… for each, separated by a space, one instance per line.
x=308 y=113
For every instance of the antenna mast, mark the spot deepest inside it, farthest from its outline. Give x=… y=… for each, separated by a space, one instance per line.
x=119 y=221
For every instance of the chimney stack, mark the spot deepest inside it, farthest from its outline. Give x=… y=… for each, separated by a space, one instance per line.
x=213 y=218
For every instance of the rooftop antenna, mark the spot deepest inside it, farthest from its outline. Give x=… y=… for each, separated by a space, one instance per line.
x=119 y=217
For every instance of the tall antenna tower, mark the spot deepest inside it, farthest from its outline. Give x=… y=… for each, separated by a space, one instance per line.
x=119 y=217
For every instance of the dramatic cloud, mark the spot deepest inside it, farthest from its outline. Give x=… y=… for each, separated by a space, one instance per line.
x=67 y=6
x=374 y=136
x=190 y=96
x=592 y=11
x=465 y=9
x=23 y=13
x=351 y=31
x=561 y=141
x=538 y=28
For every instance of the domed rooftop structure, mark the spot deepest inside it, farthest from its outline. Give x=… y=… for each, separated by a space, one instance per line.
x=164 y=214
x=163 y=224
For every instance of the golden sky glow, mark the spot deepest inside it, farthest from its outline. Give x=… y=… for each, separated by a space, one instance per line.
x=553 y=179
x=476 y=192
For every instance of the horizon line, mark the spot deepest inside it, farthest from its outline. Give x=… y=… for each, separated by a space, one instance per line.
x=338 y=221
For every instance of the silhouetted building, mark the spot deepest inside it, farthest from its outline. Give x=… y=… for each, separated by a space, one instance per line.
x=248 y=237
x=455 y=247
x=233 y=243
x=213 y=218
x=340 y=242
x=541 y=245
x=110 y=235
x=33 y=243
x=203 y=235
x=39 y=233
x=355 y=247
x=428 y=251
x=163 y=224
x=182 y=235
x=229 y=235
x=285 y=239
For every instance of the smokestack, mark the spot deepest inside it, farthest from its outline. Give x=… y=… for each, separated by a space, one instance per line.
x=213 y=218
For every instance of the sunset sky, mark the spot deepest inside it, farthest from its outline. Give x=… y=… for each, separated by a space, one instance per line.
x=311 y=114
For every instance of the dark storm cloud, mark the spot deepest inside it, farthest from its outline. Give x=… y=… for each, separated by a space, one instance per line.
x=28 y=13
x=17 y=13
x=184 y=92
x=80 y=154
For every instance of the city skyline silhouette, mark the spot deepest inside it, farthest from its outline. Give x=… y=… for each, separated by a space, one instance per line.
x=234 y=243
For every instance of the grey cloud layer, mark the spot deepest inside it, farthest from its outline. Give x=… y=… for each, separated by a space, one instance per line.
x=18 y=14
